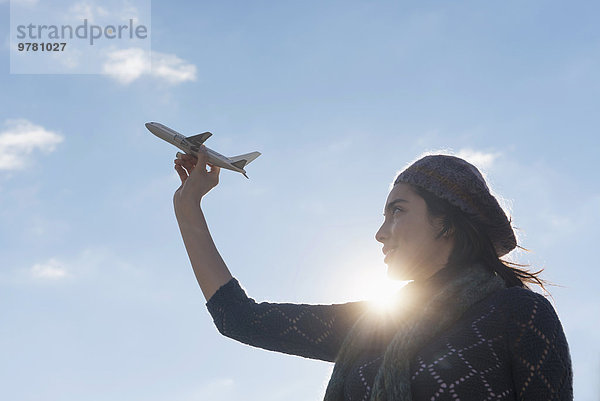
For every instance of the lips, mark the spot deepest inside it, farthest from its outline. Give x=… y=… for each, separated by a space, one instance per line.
x=388 y=253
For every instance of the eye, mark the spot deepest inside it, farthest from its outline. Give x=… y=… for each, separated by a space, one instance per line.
x=393 y=211
x=397 y=210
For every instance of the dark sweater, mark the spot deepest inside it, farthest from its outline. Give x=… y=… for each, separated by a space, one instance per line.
x=510 y=346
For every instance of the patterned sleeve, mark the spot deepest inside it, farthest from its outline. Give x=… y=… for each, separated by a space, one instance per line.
x=541 y=363
x=310 y=331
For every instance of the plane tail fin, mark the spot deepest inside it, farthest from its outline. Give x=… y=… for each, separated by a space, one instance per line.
x=243 y=160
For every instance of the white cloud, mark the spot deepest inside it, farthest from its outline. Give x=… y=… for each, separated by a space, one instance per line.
x=129 y=11
x=21 y=137
x=128 y=65
x=93 y=11
x=88 y=266
x=481 y=160
x=87 y=10
x=50 y=270
x=171 y=68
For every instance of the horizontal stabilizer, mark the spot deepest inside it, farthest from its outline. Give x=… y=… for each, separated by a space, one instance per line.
x=240 y=163
x=243 y=160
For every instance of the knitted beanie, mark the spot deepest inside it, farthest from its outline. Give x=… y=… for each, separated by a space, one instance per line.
x=462 y=185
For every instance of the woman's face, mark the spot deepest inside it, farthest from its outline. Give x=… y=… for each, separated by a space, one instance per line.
x=409 y=237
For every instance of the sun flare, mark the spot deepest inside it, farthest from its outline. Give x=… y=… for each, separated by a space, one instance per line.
x=384 y=296
x=380 y=291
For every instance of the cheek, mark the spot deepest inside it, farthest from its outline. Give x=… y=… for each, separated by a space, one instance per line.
x=396 y=230
x=403 y=232
x=411 y=234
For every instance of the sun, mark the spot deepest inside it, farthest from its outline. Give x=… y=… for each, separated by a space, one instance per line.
x=375 y=287
x=384 y=295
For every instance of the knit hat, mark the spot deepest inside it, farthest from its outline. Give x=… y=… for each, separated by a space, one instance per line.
x=462 y=185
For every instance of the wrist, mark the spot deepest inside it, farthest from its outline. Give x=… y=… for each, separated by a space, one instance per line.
x=185 y=210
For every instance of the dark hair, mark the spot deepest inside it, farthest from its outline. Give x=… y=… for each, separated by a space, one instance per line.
x=472 y=244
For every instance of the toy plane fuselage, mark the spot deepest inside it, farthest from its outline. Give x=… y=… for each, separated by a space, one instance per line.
x=191 y=145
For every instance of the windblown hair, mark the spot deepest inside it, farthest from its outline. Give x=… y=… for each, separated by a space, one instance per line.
x=472 y=244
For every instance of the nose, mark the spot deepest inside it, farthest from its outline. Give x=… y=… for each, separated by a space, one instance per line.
x=381 y=235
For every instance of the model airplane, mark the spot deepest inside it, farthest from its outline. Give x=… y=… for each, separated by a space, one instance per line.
x=191 y=145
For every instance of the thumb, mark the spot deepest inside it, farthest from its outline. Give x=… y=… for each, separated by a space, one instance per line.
x=214 y=173
x=202 y=157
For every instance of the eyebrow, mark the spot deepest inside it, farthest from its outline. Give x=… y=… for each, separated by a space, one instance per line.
x=393 y=203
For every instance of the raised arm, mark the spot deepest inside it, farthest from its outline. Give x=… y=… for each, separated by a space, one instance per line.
x=196 y=181
x=312 y=331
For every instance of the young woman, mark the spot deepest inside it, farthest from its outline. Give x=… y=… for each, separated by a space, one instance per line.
x=468 y=327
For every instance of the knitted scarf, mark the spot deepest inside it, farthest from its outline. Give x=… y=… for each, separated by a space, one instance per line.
x=428 y=310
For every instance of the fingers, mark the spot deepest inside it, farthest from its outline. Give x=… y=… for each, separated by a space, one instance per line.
x=200 y=163
x=187 y=161
x=182 y=173
x=184 y=164
x=188 y=166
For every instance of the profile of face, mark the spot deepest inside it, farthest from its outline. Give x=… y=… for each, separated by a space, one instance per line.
x=410 y=236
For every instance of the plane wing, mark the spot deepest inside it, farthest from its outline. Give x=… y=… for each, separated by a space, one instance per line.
x=199 y=139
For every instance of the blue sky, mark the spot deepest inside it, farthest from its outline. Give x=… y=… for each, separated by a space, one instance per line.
x=97 y=298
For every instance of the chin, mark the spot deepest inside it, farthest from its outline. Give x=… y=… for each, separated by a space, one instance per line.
x=395 y=277
x=407 y=271
x=396 y=273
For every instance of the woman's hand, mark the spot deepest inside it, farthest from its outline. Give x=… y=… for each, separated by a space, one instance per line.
x=196 y=181
x=209 y=268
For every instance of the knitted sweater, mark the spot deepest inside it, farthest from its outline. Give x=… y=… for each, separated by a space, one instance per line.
x=510 y=346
